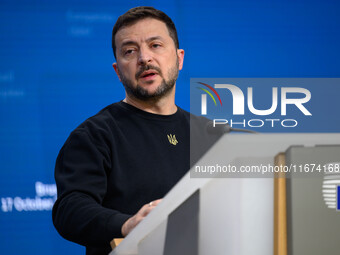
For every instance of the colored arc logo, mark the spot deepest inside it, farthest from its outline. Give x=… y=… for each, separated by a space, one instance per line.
x=209 y=93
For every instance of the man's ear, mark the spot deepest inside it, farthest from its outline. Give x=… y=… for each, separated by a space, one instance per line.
x=115 y=66
x=180 y=56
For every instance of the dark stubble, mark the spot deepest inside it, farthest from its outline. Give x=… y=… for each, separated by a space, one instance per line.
x=163 y=89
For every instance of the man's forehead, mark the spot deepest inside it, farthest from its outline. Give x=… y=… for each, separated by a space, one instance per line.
x=143 y=29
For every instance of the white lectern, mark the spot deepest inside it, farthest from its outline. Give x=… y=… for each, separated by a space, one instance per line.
x=217 y=214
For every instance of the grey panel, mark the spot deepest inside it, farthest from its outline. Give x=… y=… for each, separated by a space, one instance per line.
x=182 y=228
x=312 y=227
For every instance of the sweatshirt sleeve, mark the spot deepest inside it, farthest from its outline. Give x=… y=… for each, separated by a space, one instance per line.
x=81 y=177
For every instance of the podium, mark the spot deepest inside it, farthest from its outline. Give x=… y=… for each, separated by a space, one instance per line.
x=233 y=214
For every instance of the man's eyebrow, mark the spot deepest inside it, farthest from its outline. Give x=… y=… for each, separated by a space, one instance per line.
x=153 y=38
x=130 y=42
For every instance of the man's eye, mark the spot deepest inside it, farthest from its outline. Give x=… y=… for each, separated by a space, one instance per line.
x=156 y=45
x=128 y=52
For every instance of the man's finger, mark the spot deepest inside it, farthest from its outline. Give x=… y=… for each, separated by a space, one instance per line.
x=155 y=202
x=137 y=218
x=147 y=210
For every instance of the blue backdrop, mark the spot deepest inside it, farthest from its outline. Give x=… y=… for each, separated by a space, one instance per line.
x=56 y=70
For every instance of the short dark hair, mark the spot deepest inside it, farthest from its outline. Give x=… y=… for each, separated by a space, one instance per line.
x=138 y=13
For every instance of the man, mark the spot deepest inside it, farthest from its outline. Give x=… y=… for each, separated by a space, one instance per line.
x=115 y=167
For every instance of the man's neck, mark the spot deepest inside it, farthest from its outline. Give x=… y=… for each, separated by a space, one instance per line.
x=162 y=106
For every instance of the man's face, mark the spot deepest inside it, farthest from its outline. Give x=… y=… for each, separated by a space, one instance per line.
x=147 y=59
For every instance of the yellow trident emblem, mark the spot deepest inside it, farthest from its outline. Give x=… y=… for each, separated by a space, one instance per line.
x=172 y=139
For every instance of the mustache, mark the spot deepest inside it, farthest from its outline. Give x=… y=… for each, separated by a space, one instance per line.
x=146 y=68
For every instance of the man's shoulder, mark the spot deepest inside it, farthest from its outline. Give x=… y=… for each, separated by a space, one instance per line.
x=200 y=138
x=109 y=113
x=102 y=121
x=195 y=120
x=193 y=117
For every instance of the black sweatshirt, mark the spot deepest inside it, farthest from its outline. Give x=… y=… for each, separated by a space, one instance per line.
x=113 y=164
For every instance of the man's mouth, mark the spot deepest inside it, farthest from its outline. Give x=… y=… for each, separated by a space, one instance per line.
x=148 y=74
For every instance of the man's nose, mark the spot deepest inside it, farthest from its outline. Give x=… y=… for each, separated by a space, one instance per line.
x=144 y=56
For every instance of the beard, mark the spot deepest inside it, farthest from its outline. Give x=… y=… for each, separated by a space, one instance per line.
x=143 y=94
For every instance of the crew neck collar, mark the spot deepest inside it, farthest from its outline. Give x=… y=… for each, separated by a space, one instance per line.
x=149 y=115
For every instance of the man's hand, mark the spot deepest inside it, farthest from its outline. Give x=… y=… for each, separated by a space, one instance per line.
x=132 y=222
